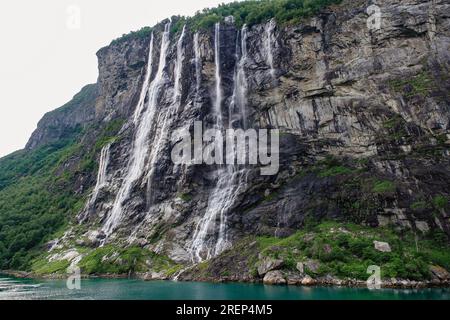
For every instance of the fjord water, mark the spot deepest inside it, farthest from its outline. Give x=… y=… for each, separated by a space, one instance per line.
x=118 y=289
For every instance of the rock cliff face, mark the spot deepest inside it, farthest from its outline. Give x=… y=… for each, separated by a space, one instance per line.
x=364 y=116
x=63 y=122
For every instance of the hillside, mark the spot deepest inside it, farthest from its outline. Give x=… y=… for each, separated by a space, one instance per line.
x=364 y=179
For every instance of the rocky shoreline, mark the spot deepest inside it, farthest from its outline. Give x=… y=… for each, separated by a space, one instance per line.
x=305 y=281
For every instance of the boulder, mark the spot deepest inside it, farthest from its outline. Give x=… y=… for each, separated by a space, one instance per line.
x=382 y=246
x=274 y=277
x=312 y=265
x=308 y=281
x=269 y=264
x=440 y=273
x=301 y=267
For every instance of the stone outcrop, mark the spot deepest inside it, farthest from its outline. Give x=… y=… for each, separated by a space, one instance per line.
x=274 y=277
x=382 y=246
x=60 y=124
x=269 y=264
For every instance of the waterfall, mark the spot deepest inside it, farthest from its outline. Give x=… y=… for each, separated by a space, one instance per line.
x=179 y=66
x=231 y=181
x=140 y=145
x=269 y=44
x=198 y=64
x=218 y=104
x=239 y=98
x=140 y=106
x=167 y=118
x=101 y=177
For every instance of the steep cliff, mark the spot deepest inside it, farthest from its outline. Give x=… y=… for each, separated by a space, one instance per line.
x=364 y=117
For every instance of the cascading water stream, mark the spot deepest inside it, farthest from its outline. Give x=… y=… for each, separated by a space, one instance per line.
x=140 y=146
x=232 y=181
x=198 y=65
x=167 y=117
x=269 y=44
x=144 y=91
x=239 y=98
x=218 y=104
x=101 y=176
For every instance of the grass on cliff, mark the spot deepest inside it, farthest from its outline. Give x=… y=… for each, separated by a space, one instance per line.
x=420 y=85
x=113 y=260
x=347 y=250
x=343 y=250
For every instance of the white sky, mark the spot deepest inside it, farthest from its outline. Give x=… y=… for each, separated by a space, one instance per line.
x=45 y=61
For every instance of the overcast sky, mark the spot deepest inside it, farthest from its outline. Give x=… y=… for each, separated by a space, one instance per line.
x=47 y=54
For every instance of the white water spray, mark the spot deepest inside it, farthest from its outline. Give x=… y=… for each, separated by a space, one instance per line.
x=239 y=98
x=269 y=44
x=179 y=66
x=101 y=176
x=140 y=145
x=218 y=104
x=144 y=91
x=198 y=63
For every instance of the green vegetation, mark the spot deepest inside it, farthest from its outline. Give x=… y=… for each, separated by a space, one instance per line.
x=335 y=171
x=35 y=201
x=43 y=267
x=248 y=12
x=383 y=187
x=347 y=250
x=259 y=11
x=419 y=205
x=419 y=85
x=186 y=197
x=112 y=260
x=440 y=202
x=140 y=34
x=109 y=134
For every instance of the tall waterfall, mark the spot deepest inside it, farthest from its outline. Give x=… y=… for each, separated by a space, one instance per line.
x=140 y=146
x=166 y=118
x=269 y=44
x=140 y=106
x=179 y=66
x=101 y=177
x=198 y=63
x=232 y=180
x=239 y=98
x=218 y=104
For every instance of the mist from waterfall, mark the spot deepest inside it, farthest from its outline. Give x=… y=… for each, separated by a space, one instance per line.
x=141 y=146
x=231 y=181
